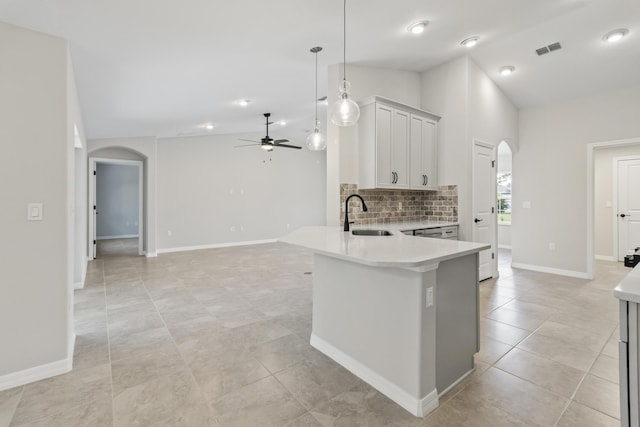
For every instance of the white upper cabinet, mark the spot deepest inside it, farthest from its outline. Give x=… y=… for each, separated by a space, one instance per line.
x=397 y=146
x=423 y=166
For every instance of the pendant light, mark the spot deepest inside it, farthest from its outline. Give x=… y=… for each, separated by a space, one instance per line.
x=345 y=112
x=316 y=141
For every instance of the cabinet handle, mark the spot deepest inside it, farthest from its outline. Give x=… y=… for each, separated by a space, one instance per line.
x=423 y=180
x=426 y=180
x=394 y=180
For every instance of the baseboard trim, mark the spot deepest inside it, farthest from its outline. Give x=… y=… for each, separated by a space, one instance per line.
x=123 y=236
x=417 y=407
x=215 y=246
x=26 y=376
x=458 y=381
x=557 y=271
x=151 y=254
x=604 y=258
x=80 y=285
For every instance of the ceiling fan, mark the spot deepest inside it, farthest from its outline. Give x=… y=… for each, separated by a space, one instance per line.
x=267 y=143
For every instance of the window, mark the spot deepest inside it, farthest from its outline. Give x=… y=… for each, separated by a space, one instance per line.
x=504 y=197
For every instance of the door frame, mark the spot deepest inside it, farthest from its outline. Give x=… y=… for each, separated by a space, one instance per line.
x=616 y=223
x=494 y=189
x=93 y=161
x=591 y=147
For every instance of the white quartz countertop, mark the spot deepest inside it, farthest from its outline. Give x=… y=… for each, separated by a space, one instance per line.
x=398 y=250
x=629 y=288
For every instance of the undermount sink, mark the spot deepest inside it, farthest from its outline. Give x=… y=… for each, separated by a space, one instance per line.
x=371 y=233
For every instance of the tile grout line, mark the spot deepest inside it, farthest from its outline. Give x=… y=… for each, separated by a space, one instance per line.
x=106 y=315
x=15 y=408
x=572 y=399
x=202 y=393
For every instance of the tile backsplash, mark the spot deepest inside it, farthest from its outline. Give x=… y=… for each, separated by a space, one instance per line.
x=401 y=205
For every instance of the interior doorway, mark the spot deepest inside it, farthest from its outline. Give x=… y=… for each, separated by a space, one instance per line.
x=601 y=206
x=116 y=219
x=504 y=189
x=626 y=205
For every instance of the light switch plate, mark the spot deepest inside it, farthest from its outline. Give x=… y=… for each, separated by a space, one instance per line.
x=34 y=212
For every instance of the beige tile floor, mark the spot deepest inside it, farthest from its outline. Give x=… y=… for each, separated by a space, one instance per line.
x=221 y=338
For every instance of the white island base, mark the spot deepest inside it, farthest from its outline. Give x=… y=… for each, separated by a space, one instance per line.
x=409 y=333
x=400 y=312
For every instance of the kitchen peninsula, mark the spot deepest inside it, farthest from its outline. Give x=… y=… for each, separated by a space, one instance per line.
x=399 y=311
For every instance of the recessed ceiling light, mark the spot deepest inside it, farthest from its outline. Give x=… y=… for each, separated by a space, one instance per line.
x=209 y=126
x=507 y=70
x=243 y=102
x=470 y=42
x=615 y=35
x=417 y=27
x=282 y=122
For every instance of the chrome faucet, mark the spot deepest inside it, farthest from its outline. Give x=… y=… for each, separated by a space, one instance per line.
x=346 y=209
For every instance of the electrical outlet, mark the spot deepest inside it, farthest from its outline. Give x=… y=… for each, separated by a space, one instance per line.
x=232 y=228
x=552 y=246
x=429 y=297
x=241 y=228
x=169 y=233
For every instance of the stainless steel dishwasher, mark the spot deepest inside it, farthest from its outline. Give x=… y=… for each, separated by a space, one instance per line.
x=447 y=232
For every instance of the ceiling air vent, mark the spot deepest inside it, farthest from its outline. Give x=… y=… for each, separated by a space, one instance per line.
x=550 y=48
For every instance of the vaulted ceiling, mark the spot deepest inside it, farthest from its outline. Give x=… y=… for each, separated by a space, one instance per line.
x=165 y=68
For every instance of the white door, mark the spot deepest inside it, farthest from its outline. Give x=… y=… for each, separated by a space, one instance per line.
x=93 y=254
x=484 y=200
x=628 y=209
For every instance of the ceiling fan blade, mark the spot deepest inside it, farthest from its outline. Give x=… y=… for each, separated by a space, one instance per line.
x=278 y=141
x=288 y=146
x=246 y=145
x=248 y=140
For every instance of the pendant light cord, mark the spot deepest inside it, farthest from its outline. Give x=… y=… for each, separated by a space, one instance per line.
x=316 y=90
x=344 y=42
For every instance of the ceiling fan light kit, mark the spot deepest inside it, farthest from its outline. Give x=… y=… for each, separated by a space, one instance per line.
x=316 y=141
x=345 y=112
x=267 y=143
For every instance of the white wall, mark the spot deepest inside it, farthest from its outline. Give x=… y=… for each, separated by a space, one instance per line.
x=36 y=165
x=604 y=216
x=342 y=142
x=143 y=148
x=472 y=107
x=206 y=187
x=79 y=182
x=550 y=171
x=504 y=236
x=117 y=200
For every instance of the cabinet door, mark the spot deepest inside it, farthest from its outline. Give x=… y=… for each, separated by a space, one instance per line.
x=384 y=140
x=423 y=154
x=400 y=148
x=429 y=153
x=417 y=180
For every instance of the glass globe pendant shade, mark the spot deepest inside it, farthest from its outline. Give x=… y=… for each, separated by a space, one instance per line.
x=345 y=112
x=316 y=141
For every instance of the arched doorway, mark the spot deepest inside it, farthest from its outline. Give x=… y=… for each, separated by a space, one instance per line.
x=116 y=202
x=504 y=190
